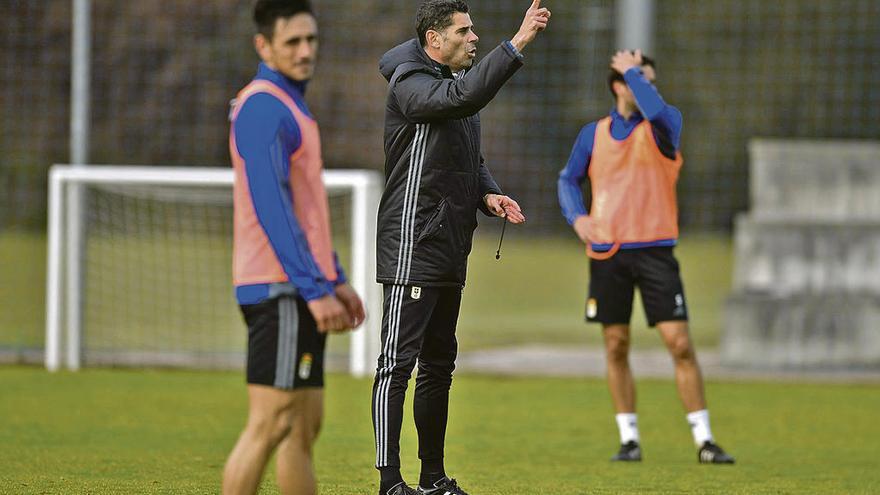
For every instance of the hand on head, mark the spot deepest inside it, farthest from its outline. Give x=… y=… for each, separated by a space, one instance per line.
x=625 y=60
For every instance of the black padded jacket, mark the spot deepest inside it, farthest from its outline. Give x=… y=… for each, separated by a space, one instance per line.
x=435 y=178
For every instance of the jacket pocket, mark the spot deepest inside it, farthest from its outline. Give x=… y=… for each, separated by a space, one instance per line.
x=436 y=222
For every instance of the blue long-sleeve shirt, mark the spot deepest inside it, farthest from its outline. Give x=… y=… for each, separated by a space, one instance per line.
x=666 y=123
x=267 y=135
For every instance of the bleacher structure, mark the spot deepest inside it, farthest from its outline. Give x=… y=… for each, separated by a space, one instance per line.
x=806 y=283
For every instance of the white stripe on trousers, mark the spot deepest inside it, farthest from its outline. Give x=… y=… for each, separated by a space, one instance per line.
x=404 y=263
x=390 y=351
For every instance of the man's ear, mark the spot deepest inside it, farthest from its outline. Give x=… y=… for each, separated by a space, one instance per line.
x=433 y=38
x=262 y=46
x=619 y=87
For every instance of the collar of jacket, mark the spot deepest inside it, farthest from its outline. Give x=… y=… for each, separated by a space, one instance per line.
x=444 y=70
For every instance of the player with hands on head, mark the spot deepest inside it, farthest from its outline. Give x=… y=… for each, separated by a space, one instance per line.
x=633 y=160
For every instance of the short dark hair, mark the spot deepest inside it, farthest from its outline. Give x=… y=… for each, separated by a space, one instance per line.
x=614 y=76
x=436 y=15
x=266 y=12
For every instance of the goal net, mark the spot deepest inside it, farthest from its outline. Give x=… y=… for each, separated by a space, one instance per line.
x=140 y=267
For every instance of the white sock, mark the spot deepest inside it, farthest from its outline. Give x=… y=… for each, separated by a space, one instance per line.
x=699 y=421
x=628 y=424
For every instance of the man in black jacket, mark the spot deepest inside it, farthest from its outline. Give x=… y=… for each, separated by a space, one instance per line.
x=435 y=181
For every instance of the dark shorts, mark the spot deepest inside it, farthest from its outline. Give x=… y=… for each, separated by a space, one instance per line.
x=285 y=349
x=653 y=270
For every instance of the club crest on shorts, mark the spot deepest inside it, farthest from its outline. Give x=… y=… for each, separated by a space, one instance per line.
x=679 y=306
x=592 y=308
x=416 y=293
x=305 y=366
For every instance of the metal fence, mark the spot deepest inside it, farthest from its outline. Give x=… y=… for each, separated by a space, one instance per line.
x=163 y=73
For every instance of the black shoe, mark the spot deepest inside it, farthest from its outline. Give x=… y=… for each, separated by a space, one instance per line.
x=630 y=451
x=401 y=489
x=446 y=486
x=711 y=453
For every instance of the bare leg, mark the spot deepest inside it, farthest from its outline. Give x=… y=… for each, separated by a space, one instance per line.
x=270 y=415
x=296 y=475
x=620 y=379
x=688 y=377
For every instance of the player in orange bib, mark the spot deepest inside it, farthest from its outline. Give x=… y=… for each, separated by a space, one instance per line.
x=289 y=284
x=633 y=160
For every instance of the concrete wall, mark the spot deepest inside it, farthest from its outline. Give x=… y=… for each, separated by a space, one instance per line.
x=807 y=259
x=834 y=180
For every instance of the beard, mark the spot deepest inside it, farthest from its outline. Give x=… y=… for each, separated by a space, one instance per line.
x=465 y=63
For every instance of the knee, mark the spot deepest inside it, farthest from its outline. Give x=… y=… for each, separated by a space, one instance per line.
x=306 y=432
x=401 y=364
x=682 y=350
x=437 y=369
x=617 y=349
x=313 y=429
x=270 y=429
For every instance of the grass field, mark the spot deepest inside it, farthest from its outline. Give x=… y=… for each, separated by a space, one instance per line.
x=113 y=432
x=23 y=291
x=143 y=431
x=534 y=294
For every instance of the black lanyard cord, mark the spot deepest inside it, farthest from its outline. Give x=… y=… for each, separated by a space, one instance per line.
x=503 y=227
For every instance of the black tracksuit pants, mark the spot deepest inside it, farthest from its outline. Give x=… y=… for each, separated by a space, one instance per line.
x=418 y=325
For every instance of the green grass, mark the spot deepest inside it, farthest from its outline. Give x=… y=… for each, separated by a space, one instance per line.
x=534 y=294
x=109 y=432
x=23 y=291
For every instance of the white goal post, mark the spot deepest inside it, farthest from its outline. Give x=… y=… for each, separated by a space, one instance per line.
x=66 y=224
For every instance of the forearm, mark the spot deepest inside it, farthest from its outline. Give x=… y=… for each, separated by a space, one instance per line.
x=487 y=182
x=647 y=97
x=571 y=178
x=341 y=278
x=665 y=118
x=487 y=186
x=571 y=198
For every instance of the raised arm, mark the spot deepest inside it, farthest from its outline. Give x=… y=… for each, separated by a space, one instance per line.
x=422 y=97
x=665 y=119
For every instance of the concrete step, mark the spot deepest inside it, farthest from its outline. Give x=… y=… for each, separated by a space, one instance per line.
x=805 y=331
x=789 y=256
x=833 y=179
